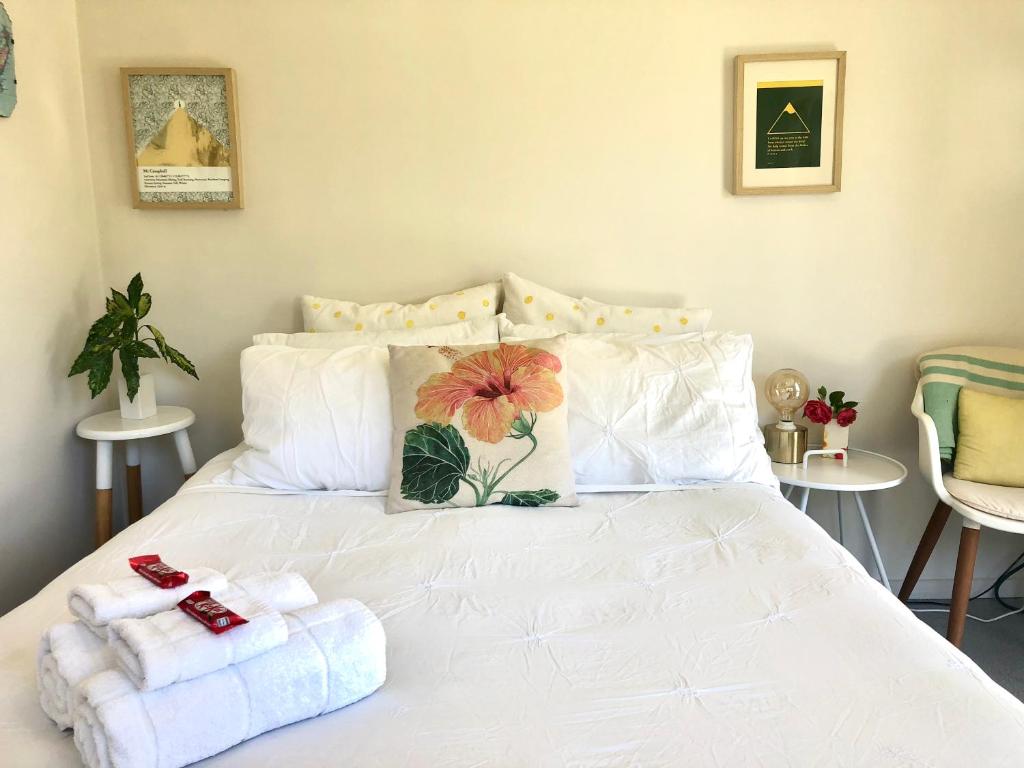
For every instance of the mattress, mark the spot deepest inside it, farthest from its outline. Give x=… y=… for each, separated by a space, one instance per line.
x=713 y=626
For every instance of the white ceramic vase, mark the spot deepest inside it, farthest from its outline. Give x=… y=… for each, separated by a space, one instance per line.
x=144 y=404
x=835 y=437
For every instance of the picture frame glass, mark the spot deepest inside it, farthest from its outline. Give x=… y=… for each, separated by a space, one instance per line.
x=788 y=130
x=182 y=138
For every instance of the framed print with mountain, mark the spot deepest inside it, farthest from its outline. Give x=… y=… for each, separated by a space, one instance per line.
x=788 y=123
x=182 y=137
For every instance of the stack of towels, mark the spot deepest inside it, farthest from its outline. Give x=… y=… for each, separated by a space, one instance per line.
x=144 y=684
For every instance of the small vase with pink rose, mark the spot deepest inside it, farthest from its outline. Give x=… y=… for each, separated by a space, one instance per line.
x=835 y=414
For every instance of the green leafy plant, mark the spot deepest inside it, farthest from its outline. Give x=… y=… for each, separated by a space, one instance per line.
x=119 y=331
x=435 y=460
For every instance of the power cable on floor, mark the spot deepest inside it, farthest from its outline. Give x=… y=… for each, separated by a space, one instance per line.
x=1014 y=567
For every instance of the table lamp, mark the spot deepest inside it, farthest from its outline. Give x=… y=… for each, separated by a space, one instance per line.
x=787 y=390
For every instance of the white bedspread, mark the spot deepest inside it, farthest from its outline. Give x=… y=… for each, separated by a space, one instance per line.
x=715 y=626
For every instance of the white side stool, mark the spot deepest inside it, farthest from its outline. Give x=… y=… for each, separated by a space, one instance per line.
x=864 y=471
x=108 y=428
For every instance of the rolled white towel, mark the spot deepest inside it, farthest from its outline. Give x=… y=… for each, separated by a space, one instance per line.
x=68 y=654
x=169 y=647
x=335 y=655
x=133 y=597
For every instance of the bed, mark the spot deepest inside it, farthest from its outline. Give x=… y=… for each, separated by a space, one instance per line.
x=710 y=626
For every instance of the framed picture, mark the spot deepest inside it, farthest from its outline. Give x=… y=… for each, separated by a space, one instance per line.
x=788 y=123
x=8 y=85
x=182 y=137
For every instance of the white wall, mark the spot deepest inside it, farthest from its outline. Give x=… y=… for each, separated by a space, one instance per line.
x=48 y=295
x=394 y=150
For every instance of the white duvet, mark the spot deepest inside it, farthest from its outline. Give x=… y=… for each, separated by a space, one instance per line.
x=715 y=626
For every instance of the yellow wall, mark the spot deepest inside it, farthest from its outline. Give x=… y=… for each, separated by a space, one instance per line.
x=48 y=292
x=398 y=149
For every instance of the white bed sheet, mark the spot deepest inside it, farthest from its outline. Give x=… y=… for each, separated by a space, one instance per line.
x=715 y=626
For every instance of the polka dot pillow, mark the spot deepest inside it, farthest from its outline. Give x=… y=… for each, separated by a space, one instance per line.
x=533 y=304
x=319 y=314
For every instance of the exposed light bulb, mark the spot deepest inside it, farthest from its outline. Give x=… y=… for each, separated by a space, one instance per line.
x=787 y=390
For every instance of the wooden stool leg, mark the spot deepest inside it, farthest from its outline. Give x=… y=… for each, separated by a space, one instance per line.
x=924 y=549
x=104 y=494
x=133 y=478
x=104 y=515
x=962 y=581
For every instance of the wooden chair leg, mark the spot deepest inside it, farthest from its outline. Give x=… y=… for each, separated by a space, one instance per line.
x=924 y=549
x=965 y=559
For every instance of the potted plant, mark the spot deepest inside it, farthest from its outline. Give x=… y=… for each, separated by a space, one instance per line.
x=835 y=414
x=119 y=331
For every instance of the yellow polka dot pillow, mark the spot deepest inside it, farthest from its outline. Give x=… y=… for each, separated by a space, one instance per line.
x=320 y=314
x=480 y=330
x=480 y=424
x=517 y=331
x=533 y=304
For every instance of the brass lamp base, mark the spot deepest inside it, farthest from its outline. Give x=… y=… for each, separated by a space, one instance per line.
x=786 y=446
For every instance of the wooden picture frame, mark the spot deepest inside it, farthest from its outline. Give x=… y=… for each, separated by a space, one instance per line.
x=183 y=137
x=807 y=158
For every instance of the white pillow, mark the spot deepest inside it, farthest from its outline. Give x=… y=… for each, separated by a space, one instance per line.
x=527 y=302
x=481 y=330
x=660 y=416
x=314 y=419
x=319 y=314
x=521 y=331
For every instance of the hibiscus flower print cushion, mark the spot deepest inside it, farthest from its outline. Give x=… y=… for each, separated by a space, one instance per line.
x=482 y=424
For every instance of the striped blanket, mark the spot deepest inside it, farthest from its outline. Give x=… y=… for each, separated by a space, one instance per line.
x=999 y=370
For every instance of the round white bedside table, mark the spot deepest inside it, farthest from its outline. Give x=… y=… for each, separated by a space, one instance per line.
x=108 y=428
x=864 y=471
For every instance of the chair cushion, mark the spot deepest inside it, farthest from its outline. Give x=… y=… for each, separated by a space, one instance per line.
x=998 y=500
x=990 y=448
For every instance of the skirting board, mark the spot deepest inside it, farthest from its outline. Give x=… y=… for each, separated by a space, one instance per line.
x=941 y=589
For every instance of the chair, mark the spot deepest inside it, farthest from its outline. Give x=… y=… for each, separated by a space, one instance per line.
x=994 y=369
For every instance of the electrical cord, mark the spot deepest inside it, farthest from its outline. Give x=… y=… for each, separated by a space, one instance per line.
x=1013 y=568
x=1006 y=575
x=1000 y=617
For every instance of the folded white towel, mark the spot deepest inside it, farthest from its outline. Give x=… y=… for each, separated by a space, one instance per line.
x=334 y=656
x=68 y=654
x=169 y=647
x=133 y=597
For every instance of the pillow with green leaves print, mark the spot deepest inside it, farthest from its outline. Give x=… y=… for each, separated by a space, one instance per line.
x=481 y=424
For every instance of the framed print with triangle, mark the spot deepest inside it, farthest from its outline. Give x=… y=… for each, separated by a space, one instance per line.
x=788 y=122
x=182 y=137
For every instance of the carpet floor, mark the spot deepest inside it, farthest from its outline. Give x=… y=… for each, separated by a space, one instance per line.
x=998 y=648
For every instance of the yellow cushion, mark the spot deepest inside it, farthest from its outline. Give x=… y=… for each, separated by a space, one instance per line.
x=990 y=446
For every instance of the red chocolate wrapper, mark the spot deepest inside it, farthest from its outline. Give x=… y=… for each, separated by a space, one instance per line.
x=152 y=568
x=213 y=615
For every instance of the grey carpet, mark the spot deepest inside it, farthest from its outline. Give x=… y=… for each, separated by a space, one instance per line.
x=997 y=648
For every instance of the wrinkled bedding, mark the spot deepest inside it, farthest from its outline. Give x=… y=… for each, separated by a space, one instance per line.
x=713 y=626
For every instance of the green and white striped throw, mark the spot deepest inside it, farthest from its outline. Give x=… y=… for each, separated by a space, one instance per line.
x=999 y=370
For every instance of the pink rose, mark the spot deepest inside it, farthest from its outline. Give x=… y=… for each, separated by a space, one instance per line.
x=818 y=411
x=846 y=417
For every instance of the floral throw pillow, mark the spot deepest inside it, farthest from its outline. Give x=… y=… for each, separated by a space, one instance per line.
x=482 y=424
